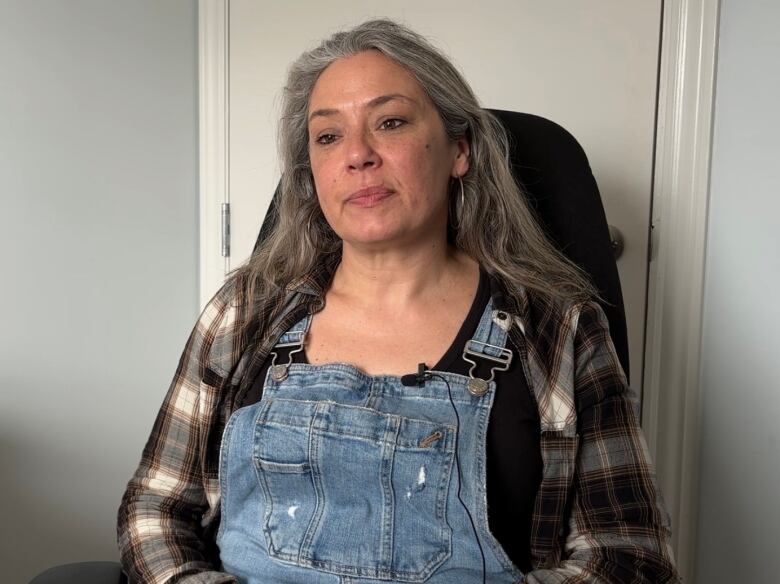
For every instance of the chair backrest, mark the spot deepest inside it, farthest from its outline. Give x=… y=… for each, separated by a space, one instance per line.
x=551 y=166
x=554 y=171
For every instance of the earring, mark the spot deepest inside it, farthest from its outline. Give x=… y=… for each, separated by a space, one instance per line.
x=459 y=212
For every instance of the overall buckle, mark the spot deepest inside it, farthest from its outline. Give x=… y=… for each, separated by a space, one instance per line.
x=503 y=358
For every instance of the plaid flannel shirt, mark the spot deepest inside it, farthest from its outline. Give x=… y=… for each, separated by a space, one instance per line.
x=598 y=517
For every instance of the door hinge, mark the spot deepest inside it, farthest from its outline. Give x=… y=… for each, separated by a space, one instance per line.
x=651 y=243
x=225 y=230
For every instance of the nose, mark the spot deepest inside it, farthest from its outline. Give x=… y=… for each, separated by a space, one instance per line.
x=361 y=154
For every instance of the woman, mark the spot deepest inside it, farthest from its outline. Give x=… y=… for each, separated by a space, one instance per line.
x=406 y=382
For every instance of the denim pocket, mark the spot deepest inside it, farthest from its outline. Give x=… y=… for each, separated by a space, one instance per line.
x=352 y=491
x=281 y=462
x=289 y=504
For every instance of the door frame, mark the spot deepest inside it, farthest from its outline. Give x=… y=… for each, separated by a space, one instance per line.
x=214 y=140
x=678 y=232
x=678 y=240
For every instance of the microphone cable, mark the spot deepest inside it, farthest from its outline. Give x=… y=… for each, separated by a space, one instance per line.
x=419 y=378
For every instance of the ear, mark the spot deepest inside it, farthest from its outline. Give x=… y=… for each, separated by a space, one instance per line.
x=461 y=163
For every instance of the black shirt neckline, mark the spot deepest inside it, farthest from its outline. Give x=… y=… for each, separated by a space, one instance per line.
x=448 y=361
x=469 y=326
x=467 y=329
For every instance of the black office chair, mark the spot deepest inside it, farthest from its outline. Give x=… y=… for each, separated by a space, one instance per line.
x=82 y=573
x=552 y=167
x=554 y=171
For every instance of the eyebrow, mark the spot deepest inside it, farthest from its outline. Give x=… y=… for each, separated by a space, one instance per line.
x=374 y=103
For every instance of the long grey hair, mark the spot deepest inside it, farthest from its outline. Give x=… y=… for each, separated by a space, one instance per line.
x=514 y=247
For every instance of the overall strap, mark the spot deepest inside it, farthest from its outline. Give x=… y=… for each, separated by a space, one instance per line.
x=295 y=334
x=488 y=344
x=292 y=339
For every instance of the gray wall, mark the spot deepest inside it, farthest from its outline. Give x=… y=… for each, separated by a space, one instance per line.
x=98 y=236
x=739 y=511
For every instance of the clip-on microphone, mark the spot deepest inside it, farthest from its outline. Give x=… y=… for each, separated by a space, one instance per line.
x=418 y=378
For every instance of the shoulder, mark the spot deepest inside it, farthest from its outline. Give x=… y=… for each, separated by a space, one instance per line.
x=238 y=320
x=543 y=318
x=563 y=343
x=223 y=326
x=572 y=330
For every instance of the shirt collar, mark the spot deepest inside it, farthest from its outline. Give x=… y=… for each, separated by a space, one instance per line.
x=315 y=282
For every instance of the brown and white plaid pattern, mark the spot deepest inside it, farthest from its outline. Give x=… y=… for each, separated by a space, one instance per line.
x=598 y=515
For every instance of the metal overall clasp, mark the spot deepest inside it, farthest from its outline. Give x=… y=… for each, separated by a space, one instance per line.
x=279 y=372
x=503 y=358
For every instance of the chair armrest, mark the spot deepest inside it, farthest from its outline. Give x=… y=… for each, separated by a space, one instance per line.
x=82 y=573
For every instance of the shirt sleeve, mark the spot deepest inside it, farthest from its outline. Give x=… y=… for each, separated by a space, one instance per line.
x=618 y=530
x=158 y=528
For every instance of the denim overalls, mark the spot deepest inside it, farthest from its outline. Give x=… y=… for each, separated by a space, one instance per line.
x=338 y=477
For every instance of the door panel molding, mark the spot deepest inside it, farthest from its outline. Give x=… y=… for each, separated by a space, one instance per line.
x=676 y=270
x=213 y=71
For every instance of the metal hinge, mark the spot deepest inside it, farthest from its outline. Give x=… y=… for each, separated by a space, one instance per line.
x=651 y=243
x=225 y=230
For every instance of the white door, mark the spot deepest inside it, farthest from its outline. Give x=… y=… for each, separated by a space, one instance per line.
x=592 y=67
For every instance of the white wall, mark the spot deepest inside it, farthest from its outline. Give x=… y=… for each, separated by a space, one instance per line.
x=98 y=239
x=739 y=510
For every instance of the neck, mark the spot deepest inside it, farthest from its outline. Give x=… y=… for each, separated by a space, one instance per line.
x=398 y=279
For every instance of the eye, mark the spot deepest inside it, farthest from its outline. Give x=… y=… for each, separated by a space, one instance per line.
x=391 y=124
x=325 y=139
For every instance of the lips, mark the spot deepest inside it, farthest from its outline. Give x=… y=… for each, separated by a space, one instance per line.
x=369 y=196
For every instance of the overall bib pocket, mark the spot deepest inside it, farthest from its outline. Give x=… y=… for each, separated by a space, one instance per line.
x=352 y=491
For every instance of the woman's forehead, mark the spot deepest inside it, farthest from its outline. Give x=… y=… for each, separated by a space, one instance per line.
x=363 y=80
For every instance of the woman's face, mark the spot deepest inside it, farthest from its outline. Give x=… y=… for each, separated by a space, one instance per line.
x=380 y=157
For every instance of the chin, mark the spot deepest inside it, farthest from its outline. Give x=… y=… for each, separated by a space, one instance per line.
x=371 y=236
x=369 y=241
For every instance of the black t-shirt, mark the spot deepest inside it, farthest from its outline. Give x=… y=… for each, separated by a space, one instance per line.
x=514 y=459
